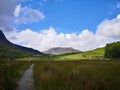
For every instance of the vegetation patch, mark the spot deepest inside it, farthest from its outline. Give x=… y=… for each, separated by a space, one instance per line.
x=77 y=75
x=43 y=57
x=113 y=50
x=9 y=51
x=10 y=72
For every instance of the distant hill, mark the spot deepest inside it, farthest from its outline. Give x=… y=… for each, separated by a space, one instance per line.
x=60 y=50
x=92 y=54
x=9 y=49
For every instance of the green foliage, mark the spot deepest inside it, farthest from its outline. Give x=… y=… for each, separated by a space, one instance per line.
x=10 y=72
x=77 y=75
x=112 y=50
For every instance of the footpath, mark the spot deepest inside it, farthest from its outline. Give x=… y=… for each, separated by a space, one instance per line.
x=26 y=82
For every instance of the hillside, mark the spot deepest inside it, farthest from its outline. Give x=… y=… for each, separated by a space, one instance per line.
x=60 y=50
x=92 y=54
x=8 y=49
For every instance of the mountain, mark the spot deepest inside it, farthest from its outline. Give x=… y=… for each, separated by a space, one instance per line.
x=7 y=48
x=3 y=39
x=60 y=50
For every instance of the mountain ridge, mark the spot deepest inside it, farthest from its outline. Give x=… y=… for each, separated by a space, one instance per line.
x=4 y=42
x=60 y=50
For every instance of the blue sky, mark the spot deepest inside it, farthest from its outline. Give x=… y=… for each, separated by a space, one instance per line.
x=69 y=16
x=44 y=24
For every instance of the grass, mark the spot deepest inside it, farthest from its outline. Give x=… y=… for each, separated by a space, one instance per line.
x=9 y=51
x=93 y=54
x=10 y=72
x=77 y=75
x=28 y=59
x=43 y=57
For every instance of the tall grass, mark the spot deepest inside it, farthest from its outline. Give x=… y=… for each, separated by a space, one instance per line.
x=10 y=72
x=77 y=75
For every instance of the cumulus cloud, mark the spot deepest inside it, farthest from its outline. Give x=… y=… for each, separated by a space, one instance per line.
x=47 y=39
x=25 y=15
x=6 y=13
x=110 y=28
x=107 y=31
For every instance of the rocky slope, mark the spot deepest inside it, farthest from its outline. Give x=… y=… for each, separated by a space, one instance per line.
x=60 y=50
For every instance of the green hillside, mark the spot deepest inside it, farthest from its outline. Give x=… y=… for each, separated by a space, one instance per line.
x=8 y=51
x=92 y=54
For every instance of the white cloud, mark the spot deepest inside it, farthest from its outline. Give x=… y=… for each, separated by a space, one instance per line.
x=27 y=15
x=47 y=39
x=110 y=28
x=11 y=13
x=108 y=31
x=17 y=10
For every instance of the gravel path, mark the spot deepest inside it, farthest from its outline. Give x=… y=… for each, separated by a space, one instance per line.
x=26 y=82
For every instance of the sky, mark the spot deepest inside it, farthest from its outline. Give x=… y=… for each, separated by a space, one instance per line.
x=43 y=24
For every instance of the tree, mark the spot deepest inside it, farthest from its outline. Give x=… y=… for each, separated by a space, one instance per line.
x=112 y=50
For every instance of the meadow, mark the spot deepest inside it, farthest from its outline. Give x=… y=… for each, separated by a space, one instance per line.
x=77 y=75
x=10 y=73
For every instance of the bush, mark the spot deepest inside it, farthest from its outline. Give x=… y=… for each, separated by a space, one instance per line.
x=112 y=50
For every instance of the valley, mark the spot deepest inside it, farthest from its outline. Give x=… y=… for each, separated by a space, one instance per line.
x=58 y=69
x=59 y=44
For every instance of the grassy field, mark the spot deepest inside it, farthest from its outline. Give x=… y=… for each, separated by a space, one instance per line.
x=77 y=75
x=92 y=54
x=10 y=72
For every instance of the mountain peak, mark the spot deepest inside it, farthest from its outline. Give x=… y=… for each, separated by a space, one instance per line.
x=61 y=50
x=3 y=38
x=4 y=41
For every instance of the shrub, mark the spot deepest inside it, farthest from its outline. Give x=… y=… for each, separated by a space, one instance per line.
x=112 y=50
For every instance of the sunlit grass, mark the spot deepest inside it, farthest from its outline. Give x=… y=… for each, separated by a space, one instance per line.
x=77 y=75
x=28 y=59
